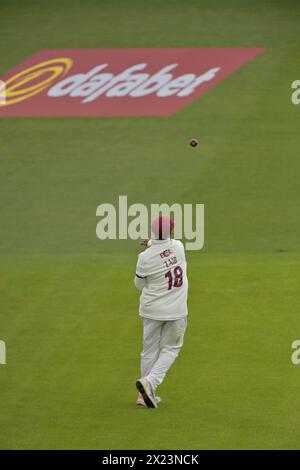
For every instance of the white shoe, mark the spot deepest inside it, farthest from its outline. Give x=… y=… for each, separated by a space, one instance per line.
x=141 y=402
x=147 y=391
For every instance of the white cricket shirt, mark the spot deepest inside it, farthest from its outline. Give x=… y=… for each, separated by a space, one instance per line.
x=163 y=268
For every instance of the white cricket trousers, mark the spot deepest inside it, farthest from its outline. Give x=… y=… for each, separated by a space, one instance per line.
x=162 y=343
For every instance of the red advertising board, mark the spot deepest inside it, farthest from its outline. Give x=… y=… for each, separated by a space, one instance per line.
x=121 y=82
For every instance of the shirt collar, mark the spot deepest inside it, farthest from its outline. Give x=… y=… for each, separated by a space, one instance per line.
x=154 y=241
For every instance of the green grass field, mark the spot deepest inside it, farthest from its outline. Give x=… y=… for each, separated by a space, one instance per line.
x=68 y=306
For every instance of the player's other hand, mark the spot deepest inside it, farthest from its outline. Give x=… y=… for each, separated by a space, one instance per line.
x=144 y=242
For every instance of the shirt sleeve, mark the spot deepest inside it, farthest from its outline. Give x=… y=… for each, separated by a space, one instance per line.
x=181 y=247
x=140 y=283
x=141 y=271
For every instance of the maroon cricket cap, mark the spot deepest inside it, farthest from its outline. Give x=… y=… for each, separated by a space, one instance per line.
x=162 y=227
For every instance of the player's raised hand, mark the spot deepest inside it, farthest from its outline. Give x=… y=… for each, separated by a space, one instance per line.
x=144 y=242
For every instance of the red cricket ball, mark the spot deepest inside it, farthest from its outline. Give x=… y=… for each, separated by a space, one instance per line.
x=194 y=142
